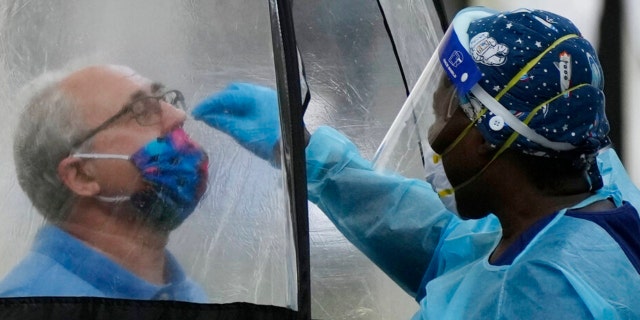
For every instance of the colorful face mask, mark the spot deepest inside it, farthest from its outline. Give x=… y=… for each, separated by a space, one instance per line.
x=175 y=169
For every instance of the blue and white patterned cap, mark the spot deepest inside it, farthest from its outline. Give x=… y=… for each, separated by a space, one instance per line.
x=538 y=66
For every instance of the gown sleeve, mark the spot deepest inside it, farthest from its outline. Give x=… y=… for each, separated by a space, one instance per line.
x=397 y=222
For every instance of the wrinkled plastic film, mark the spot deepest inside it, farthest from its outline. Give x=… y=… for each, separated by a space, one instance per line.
x=357 y=87
x=238 y=243
x=407 y=139
x=238 y=238
x=416 y=31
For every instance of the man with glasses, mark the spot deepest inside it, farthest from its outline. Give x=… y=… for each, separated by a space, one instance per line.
x=103 y=157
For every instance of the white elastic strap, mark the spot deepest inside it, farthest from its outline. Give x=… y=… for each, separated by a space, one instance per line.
x=105 y=156
x=114 y=199
x=101 y=156
x=520 y=127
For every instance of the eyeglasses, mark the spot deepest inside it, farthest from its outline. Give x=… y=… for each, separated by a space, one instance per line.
x=146 y=110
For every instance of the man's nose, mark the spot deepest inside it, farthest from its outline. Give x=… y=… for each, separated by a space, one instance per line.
x=172 y=117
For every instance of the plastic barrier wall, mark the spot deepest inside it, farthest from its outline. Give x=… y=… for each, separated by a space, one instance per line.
x=238 y=244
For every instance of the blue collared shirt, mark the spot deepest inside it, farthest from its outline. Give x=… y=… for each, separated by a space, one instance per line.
x=61 y=265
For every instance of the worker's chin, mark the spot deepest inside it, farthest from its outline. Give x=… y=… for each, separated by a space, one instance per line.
x=470 y=213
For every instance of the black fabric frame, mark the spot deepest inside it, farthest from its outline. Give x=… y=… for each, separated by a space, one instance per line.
x=71 y=308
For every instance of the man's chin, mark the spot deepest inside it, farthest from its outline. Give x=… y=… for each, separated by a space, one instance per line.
x=160 y=215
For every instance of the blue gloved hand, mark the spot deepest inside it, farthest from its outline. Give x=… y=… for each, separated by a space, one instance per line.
x=246 y=112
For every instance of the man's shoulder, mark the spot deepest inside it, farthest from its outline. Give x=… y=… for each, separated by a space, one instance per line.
x=39 y=275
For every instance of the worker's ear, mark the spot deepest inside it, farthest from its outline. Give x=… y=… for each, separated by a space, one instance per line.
x=76 y=175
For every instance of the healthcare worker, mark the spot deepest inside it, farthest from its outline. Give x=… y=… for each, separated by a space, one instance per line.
x=540 y=221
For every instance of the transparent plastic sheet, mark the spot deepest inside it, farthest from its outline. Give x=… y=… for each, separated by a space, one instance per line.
x=406 y=143
x=196 y=46
x=238 y=243
x=416 y=32
x=358 y=88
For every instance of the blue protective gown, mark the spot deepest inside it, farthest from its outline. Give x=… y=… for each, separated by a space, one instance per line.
x=61 y=265
x=572 y=266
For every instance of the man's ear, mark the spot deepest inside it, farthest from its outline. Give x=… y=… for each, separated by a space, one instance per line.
x=76 y=176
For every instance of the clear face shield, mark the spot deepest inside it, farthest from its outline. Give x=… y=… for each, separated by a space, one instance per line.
x=457 y=75
x=443 y=86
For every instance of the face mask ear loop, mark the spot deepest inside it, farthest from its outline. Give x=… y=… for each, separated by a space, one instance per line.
x=116 y=199
x=438 y=157
x=495 y=156
x=461 y=135
x=101 y=156
x=504 y=147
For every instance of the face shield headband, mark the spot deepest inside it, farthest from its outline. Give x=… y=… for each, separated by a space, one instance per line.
x=461 y=69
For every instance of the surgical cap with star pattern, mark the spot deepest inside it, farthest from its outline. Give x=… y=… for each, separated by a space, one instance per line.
x=540 y=68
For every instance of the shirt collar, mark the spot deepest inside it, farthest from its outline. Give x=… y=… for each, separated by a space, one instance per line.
x=100 y=271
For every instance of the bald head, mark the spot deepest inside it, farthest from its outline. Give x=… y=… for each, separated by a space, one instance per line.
x=100 y=91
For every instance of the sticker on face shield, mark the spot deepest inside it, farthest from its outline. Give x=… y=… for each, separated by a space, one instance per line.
x=458 y=63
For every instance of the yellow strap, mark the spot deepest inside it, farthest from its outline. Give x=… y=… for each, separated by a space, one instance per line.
x=445 y=192
x=536 y=109
x=530 y=65
x=463 y=133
